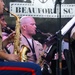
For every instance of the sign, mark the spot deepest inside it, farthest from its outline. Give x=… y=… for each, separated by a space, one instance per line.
x=41 y=9
x=67 y=10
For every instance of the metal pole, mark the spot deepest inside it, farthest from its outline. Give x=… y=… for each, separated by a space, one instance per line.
x=59 y=40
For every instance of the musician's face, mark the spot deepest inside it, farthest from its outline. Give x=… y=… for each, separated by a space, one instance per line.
x=1 y=6
x=3 y=22
x=30 y=26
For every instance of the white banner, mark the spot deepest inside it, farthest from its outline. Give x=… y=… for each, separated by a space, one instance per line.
x=67 y=10
x=41 y=10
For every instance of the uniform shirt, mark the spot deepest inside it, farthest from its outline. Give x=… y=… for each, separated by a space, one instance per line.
x=4 y=35
x=37 y=46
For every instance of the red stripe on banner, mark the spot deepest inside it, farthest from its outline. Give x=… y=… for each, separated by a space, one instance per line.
x=18 y=69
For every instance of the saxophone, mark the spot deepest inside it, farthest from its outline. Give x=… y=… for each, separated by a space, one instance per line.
x=23 y=52
x=0 y=38
x=45 y=65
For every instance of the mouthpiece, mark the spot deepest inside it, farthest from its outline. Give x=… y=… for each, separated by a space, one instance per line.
x=38 y=31
x=6 y=9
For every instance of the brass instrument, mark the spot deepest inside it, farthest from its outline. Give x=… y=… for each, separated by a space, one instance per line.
x=23 y=53
x=45 y=34
x=17 y=50
x=9 y=29
x=0 y=37
x=45 y=65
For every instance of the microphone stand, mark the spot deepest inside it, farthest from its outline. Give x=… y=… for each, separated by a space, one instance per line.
x=62 y=31
x=59 y=40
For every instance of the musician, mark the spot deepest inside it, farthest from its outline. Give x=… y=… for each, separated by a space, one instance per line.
x=73 y=33
x=73 y=49
x=5 y=33
x=28 y=29
x=3 y=25
x=12 y=66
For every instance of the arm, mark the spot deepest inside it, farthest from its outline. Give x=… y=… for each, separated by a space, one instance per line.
x=9 y=39
x=9 y=57
x=5 y=56
x=5 y=42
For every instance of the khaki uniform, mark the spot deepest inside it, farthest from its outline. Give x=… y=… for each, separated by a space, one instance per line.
x=38 y=49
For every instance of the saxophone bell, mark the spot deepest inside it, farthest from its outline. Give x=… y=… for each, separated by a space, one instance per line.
x=23 y=53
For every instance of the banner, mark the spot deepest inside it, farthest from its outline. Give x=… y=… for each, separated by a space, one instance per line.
x=41 y=9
